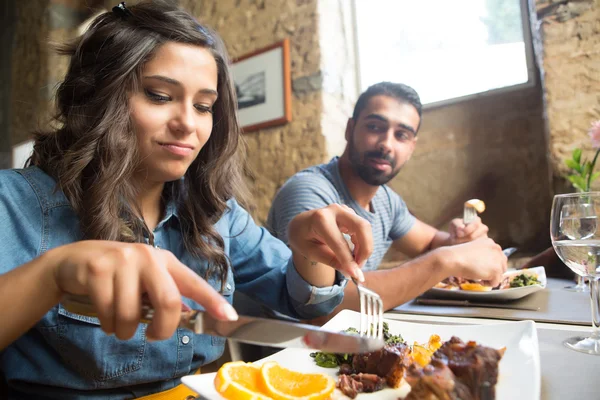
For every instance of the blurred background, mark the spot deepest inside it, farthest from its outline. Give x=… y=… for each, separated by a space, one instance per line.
x=510 y=88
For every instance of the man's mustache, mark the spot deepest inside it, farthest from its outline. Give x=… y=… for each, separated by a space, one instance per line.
x=381 y=157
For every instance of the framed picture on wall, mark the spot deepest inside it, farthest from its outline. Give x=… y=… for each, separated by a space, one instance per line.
x=264 y=87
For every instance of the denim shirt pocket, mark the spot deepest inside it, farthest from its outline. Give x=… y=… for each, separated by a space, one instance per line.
x=227 y=292
x=85 y=347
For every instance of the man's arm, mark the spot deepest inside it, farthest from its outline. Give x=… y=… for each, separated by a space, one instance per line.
x=479 y=259
x=422 y=237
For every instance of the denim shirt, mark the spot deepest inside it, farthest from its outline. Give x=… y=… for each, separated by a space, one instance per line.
x=68 y=356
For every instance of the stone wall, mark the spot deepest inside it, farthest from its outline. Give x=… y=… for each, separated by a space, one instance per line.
x=492 y=147
x=571 y=43
x=36 y=68
x=246 y=25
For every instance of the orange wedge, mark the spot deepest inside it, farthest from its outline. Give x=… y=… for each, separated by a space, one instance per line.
x=475 y=287
x=477 y=204
x=240 y=381
x=283 y=384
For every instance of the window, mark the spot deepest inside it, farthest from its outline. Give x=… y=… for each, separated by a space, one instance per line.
x=444 y=49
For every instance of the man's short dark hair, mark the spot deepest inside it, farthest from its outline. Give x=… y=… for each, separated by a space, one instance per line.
x=398 y=91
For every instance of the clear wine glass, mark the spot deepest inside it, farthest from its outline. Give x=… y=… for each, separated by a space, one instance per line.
x=576 y=240
x=571 y=213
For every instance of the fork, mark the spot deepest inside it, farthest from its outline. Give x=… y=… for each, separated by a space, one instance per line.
x=371 y=306
x=469 y=214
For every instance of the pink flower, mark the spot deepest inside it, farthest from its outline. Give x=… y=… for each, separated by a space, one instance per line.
x=594 y=133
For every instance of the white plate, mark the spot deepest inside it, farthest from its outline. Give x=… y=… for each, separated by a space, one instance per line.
x=519 y=369
x=494 y=295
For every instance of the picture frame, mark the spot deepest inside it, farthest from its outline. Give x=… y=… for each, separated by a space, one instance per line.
x=264 y=87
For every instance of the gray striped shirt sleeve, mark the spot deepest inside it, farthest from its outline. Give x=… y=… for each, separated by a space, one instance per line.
x=301 y=193
x=403 y=220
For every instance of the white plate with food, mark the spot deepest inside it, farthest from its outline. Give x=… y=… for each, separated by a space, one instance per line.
x=515 y=285
x=518 y=374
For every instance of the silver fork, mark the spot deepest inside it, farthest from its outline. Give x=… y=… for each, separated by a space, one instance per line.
x=371 y=306
x=469 y=214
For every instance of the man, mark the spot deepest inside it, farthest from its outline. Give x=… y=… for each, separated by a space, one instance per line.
x=381 y=137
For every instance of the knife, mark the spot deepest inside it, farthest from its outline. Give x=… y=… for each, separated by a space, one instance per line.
x=467 y=303
x=253 y=330
x=509 y=251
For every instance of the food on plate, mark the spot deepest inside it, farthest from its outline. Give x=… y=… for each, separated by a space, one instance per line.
x=456 y=283
x=510 y=281
x=421 y=354
x=284 y=384
x=457 y=370
x=240 y=380
x=524 y=280
x=435 y=370
x=477 y=204
x=331 y=360
x=435 y=381
x=475 y=287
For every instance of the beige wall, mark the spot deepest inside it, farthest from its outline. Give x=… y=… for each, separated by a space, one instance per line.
x=492 y=148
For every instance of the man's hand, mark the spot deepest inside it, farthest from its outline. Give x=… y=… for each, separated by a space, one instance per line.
x=480 y=259
x=461 y=233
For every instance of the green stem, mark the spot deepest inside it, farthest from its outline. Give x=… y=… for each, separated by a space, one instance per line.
x=589 y=179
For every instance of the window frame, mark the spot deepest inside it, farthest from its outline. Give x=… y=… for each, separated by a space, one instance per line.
x=528 y=19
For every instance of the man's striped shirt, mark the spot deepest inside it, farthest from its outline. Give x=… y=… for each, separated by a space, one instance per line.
x=321 y=185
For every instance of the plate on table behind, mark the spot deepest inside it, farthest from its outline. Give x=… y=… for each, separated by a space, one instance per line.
x=519 y=369
x=494 y=295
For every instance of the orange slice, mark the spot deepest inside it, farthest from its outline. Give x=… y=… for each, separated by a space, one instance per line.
x=477 y=204
x=239 y=380
x=475 y=287
x=283 y=384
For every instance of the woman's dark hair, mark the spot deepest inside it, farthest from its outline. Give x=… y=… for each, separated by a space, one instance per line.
x=92 y=153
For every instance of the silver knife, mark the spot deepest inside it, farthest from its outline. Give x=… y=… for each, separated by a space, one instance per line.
x=253 y=330
x=467 y=303
x=509 y=251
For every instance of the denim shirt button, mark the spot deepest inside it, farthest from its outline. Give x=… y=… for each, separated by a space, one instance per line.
x=185 y=339
x=228 y=286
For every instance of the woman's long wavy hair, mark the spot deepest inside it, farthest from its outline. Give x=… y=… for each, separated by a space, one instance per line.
x=93 y=152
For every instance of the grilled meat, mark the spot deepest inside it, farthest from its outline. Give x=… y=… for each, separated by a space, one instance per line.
x=474 y=365
x=435 y=382
x=388 y=363
x=352 y=385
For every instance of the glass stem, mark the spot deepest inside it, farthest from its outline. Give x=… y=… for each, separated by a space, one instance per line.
x=595 y=296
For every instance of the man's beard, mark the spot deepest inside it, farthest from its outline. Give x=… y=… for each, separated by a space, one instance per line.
x=369 y=174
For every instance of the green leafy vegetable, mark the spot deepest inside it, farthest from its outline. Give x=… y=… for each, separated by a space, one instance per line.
x=331 y=360
x=524 y=280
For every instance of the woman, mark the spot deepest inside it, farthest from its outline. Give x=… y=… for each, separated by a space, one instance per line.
x=134 y=193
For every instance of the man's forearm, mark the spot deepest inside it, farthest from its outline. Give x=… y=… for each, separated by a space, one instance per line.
x=398 y=285
x=440 y=239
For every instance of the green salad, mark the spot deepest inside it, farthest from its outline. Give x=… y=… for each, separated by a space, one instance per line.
x=524 y=280
x=332 y=360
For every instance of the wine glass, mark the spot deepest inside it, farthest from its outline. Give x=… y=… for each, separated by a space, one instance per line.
x=573 y=230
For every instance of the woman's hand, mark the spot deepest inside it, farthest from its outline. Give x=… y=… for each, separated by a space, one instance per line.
x=317 y=235
x=115 y=275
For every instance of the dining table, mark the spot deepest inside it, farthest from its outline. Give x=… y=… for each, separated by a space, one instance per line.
x=553 y=304
x=559 y=314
